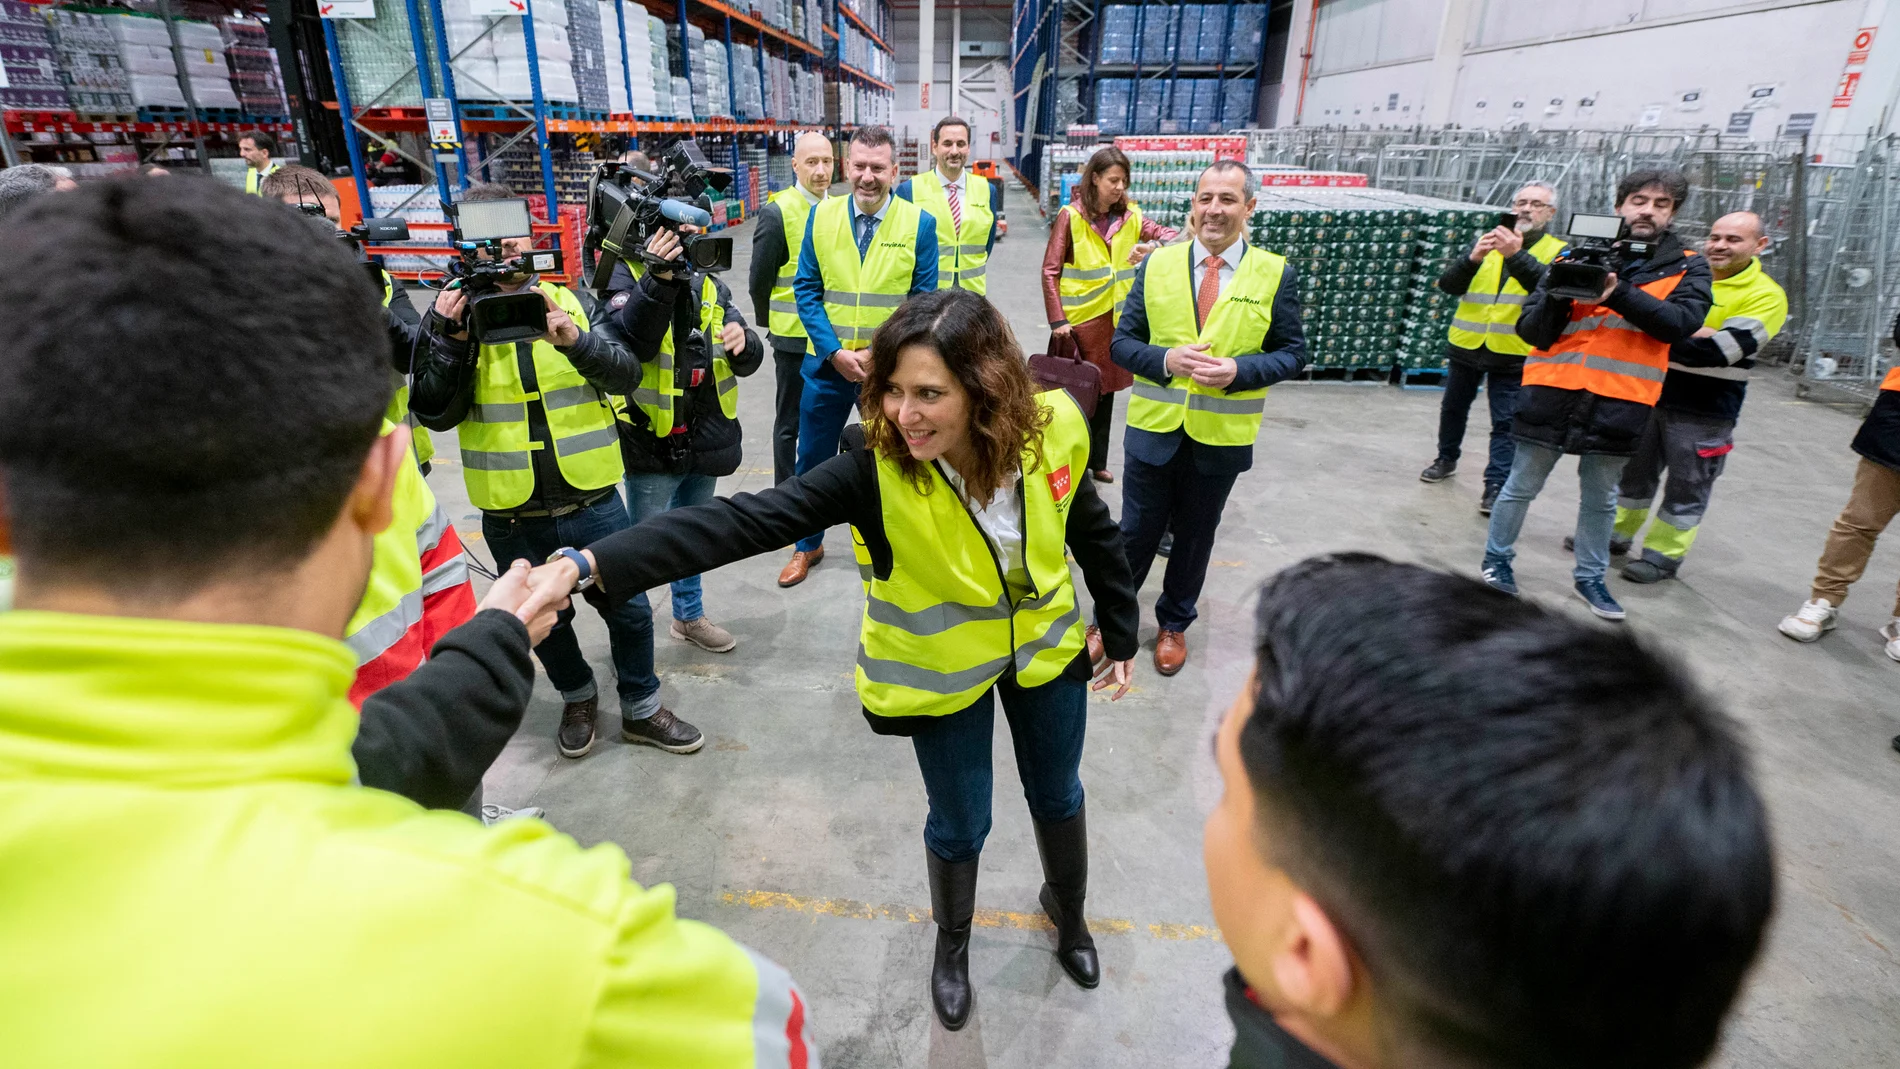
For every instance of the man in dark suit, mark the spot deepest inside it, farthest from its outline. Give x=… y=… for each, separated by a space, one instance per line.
x=1207 y=328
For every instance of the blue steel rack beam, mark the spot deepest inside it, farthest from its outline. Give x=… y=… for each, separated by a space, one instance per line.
x=448 y=90
x=541 y=116
x=426 y=84
x=349 y=117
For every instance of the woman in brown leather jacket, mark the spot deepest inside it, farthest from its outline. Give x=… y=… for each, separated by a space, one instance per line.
x=1101 y=199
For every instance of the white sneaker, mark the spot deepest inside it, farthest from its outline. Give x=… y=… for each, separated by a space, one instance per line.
x=1891 y=633
x=493 y=814
x=1814 y=619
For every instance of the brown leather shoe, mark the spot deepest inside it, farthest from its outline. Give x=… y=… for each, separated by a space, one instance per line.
x=1170 y=652
x=1097 y=651
x=1104 y=476
x=800 y=566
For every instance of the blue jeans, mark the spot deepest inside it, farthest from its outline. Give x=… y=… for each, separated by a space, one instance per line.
x=1461 y=388
x=823 y=410
x=1596 y=508
x=629 y=624
x=1046 y=726
x=652 y=494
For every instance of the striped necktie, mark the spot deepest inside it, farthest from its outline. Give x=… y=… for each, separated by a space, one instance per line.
x=956 y=206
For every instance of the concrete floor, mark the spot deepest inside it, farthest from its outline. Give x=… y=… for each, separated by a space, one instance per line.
x=799 y=831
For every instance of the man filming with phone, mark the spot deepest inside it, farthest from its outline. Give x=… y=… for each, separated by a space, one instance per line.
x=1597 y=368
x=1482 y=347
x=541 y=459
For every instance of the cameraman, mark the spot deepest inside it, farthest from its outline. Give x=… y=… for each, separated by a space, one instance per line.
x=311 y=193
x=541 y=459
x=1595 y=374
x=680 y=430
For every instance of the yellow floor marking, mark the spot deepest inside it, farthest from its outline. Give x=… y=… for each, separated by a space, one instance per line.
x=984 y=918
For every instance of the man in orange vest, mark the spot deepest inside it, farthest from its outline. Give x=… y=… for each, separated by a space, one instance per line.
x=1595 y=374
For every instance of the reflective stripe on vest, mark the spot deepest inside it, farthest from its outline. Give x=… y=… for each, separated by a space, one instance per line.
x=659 y=379
x=783 y=319
x=398 y=412
x=1235 y=327
x=860 y=294
x=495 y=443
x=1750 y=302
x=392 y=600
x=963 y=253
x=1093 y=284
x=942 y=628
x=1486 y=317
x=1604 y=354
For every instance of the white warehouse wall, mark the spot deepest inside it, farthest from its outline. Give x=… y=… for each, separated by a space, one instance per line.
x=1604 y=64
x=985 y=80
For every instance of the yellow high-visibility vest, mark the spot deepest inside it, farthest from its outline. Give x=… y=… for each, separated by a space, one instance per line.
x=398 y=411
x=1234 y=327
x=496 y=447
x=963 y=253
x=860 y=294
x=945 y=625
x=254 y=179
x=1487 y=314
x=793 y=207
x=659 y=378
x=1101 y=276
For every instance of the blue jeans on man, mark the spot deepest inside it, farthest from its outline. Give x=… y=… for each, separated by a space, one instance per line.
x=651 y=493
x=1461 y=389
x=823 y=410
x=629 y=624
x=1596 y=506
x=1046 y=727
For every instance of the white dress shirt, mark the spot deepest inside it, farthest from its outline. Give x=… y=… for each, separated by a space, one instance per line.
x=1230 y=260
x=1001 y=521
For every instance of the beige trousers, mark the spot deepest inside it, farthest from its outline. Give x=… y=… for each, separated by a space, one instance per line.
x=1872 y=505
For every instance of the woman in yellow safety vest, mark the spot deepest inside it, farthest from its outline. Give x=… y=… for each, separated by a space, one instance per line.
x=965 y=491
x=1095 y=244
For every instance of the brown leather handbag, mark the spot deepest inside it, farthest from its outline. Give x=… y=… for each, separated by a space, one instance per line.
x=1062 y=368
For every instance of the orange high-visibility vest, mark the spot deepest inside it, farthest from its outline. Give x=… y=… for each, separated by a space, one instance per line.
x=1605 y=354
x=1892 y=381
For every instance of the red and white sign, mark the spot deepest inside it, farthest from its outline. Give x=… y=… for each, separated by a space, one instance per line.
x=1344 y=179
x=497 y=8
x=1863 y=44
x=1223 y=148
x=1059 y=482
x=1844 y=92
x=346 y=9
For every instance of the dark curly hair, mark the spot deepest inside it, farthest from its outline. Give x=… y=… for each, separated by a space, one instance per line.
x=976 y=344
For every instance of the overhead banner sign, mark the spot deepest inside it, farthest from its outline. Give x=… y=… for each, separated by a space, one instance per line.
x=497 y=8
x=347 y=9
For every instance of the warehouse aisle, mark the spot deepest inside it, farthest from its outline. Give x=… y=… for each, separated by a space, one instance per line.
x=797 y=830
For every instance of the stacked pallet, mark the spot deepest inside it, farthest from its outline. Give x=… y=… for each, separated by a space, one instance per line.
x=96 y=81
x=29 y=61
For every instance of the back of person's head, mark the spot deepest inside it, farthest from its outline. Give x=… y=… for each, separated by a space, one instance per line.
x=480 y=191
x=296 y=180
x=22 y=183
x=190 y=380
x=1539 y=836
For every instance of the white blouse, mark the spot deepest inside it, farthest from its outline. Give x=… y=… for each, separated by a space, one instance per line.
x=1001 y=520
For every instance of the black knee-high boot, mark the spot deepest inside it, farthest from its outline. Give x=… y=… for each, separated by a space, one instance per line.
x=1064 y=847
x=952 y=904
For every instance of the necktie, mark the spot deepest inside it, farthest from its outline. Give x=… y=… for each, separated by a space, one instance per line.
x=866 y=225
x=1210 y=289
x=956 y=207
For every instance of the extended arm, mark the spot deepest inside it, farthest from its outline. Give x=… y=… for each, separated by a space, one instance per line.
x=431 y=736
x=1524 y=269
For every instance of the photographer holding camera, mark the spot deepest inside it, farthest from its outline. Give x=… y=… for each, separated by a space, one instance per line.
x=681 y=432
x=541 y=459
x=1597 y=371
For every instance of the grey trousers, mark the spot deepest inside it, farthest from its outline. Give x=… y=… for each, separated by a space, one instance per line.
x=1692 y=449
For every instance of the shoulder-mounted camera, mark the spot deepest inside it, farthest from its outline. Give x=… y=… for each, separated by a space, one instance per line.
x=1599 y=245
x=625 y=206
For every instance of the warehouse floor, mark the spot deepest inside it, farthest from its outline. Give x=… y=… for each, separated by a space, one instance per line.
x=799 y=832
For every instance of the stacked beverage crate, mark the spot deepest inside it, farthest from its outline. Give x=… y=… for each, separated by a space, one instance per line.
x=95 y=80
x=379 y=59
x=493 y=64
x=587 y=41
x=255 y=75
x=646 y=56
x=748 y=96
x=28 y=60
x=712 y=70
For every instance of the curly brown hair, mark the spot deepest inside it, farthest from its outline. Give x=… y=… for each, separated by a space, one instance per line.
x=975 y=343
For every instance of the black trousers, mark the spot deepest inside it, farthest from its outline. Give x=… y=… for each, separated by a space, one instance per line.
x=791 y=386
x=1157 y=498
x=1099 y=425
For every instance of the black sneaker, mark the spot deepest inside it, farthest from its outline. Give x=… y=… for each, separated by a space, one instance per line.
x=576 y=736
x=1167 y=545
x=664 y=730
x=1617 y=549
x=1642 y=571
x=1440 y=470
x=1490 y=498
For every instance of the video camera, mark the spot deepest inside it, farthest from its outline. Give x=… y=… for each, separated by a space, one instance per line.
x=1598 y=246
x=354 y=237
x=626 y=206
x=476 y=233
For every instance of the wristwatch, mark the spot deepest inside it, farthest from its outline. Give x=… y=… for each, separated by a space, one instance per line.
x=580 y=561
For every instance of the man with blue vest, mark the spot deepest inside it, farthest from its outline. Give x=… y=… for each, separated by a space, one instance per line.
x=187 y=854
x=777 y=239
x=540 y=449
x=1208 y=326
x=966 y=207
x=863 y=254
x=1482 y=347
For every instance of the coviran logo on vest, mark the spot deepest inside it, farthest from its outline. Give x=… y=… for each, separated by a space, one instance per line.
x=1239 y=298
x=892 y=245
x=1059 y=482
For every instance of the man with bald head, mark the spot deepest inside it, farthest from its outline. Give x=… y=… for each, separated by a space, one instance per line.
x=776 y=240
x=1692 y=428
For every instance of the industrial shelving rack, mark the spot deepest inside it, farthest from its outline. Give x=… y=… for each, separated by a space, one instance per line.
x=1055 y=64
x=534 y=120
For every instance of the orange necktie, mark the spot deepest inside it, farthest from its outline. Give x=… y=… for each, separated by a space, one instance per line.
x=1210 y=289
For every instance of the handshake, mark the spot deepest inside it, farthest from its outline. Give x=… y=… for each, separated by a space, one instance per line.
x=535 y=595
